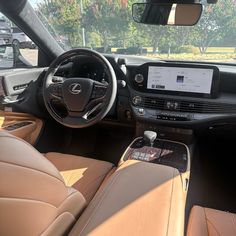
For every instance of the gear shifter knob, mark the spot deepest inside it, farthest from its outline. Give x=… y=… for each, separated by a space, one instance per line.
x=150 y=136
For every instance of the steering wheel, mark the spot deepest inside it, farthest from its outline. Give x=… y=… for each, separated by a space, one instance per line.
x=86 y=101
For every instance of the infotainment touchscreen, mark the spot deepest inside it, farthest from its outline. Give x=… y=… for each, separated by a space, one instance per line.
x=180 y=79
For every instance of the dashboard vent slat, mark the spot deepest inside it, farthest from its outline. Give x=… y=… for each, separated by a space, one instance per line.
x=189 y=106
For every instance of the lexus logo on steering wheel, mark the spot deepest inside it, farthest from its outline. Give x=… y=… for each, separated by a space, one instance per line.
x=75 y=88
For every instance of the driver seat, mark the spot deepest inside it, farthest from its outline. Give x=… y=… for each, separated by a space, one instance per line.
x=34 y=197
x=82 y=173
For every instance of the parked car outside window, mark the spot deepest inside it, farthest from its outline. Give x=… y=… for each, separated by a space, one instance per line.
x=5 y=32
x=20 y=39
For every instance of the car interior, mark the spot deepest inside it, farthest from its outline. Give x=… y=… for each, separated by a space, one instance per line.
x=107 y=144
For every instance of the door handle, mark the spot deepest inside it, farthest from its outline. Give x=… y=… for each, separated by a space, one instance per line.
x=9 y=100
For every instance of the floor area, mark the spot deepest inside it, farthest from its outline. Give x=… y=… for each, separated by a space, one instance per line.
x=213 y=174
x=213 y=169
x=102 y=142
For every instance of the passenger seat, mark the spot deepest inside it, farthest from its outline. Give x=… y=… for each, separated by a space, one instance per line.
x=210 y=222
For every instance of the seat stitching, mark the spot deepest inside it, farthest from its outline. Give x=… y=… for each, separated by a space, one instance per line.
x=30 y=146
x=92 y=181
x=171 y=198
x=28 y=199
x=71 y=195
x=65 y=155
x=45 y=230
x=87 y=192
x=213 y=227
x=33 y=169
x=233 y=221
x=102 y=197
x=204 y=211
x=21 y=140
x=190 y=223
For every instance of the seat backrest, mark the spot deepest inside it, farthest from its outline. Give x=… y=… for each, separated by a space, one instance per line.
x=34 y=199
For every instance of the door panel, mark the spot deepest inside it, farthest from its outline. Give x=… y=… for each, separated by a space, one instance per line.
x=20 y=91
x=22 y=125
x=16 y=81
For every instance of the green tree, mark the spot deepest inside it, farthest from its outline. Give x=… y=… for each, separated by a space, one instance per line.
x=109 y=19
x=64 y=16
x=216 y=22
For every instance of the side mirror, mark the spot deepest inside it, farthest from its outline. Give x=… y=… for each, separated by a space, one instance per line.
x=10 y=57
x=167 y=13
x=6 y=56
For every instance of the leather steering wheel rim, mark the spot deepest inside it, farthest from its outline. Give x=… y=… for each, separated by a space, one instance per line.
x=81 y=96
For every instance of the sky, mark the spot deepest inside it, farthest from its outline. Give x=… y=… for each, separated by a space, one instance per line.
x=34 y=2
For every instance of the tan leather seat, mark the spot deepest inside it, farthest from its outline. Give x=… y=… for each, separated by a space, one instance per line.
x=34 y=199
x=209 y=222
x=83 y=174
x=140 y=199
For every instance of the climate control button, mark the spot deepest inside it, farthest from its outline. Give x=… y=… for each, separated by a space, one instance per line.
x=139 y=78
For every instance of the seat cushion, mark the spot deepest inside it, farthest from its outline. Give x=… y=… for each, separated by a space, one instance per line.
x=34 y=199
x=209 y=222
x=84 y=174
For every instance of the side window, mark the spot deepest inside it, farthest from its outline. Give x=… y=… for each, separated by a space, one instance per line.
x=17 y=50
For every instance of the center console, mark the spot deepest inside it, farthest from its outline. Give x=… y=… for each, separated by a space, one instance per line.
x=175 y=93
x=158 y=151
x=138 y=199
x=146 y=194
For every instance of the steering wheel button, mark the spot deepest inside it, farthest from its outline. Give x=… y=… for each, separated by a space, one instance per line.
x=98 y=92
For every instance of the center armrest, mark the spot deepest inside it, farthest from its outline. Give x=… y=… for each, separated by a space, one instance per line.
x=138 y=199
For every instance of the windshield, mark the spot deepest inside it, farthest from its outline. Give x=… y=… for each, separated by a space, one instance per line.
x=107 y=26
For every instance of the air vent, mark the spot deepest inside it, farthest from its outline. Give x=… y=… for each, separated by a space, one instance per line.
x=189 y=106
x=156 y=103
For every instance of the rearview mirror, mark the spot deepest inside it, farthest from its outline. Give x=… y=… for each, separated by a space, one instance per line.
x=166 y=13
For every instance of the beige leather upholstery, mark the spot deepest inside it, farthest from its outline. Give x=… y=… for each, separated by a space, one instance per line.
x=83 y=174
x=34 y=199
x=29 y=133
x=138 y=199
x=209 y=222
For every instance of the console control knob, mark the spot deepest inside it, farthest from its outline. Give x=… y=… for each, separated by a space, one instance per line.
x=139 y=78
x=150 y=136
x=137 y=100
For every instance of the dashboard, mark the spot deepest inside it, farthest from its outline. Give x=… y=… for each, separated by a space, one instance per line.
x=181 y=94
x=86 y=67
x=174 y=94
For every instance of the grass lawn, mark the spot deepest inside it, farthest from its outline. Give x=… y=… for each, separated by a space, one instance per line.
x=220 y=50
x=220 y=54
x=217 y=54
x=227 y=57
